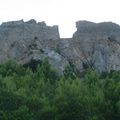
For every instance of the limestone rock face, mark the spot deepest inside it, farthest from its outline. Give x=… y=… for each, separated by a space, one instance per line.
x=99 y=44
x=96 y=45
x=25 y=41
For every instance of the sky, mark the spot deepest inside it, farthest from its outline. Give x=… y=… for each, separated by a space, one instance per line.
x=60 y=12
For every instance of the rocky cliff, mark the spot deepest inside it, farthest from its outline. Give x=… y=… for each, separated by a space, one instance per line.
x=30 y=41
x=99 y=44
x=96 y=45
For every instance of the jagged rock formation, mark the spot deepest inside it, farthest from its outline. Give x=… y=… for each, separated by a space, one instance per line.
x=96 y=45
x=26 y=41
x=99 y=44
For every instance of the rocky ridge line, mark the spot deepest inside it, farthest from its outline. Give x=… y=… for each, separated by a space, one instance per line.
x=96 y=45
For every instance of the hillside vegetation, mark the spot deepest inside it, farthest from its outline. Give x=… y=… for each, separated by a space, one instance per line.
x=43 y=94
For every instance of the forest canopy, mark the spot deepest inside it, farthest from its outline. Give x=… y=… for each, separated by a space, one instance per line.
x=43 y=94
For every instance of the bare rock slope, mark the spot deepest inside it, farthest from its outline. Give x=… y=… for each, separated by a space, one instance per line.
x=96 y=45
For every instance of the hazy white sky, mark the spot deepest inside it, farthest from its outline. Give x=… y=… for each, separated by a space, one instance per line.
x=61 y=12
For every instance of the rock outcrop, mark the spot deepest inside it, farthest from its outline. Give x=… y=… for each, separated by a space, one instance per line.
x=99 y=44
x=26 y=41
x=96 y=45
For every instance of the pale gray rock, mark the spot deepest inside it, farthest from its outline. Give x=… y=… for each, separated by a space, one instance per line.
x=100 y=44
x=96 y=45
x=26 y=41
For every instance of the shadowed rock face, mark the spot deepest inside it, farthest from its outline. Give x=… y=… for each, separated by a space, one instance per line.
x=93 y=44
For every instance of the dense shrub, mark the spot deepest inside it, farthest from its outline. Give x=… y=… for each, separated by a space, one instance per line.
x=43 y=94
